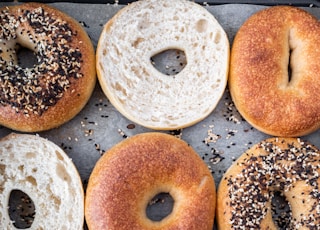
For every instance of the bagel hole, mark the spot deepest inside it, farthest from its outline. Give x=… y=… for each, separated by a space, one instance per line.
x=281 y=211
x=289 y=66
x=21 y=209
x=26 y=57
x=169 y=62
x=160 y=206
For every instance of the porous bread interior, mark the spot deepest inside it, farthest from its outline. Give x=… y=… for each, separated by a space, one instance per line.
x=137 y=89
x=44 y=172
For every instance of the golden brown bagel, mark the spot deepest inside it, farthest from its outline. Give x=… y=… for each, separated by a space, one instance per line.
x=56 y=88
x=267 y=95
x=285 y=165
x=131 y=173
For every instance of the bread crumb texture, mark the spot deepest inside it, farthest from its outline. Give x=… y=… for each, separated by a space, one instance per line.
x=142 y=93
x=43 y=171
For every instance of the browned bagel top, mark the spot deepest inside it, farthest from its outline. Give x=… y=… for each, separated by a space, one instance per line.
x=266 y=94
x=131 y=173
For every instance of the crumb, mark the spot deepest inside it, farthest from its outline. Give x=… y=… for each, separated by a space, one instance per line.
x=177 y=133
x=122 y=133
x=131 y=126
x=212 y=137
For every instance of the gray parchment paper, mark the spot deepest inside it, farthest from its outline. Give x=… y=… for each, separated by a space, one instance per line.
x=219 y=139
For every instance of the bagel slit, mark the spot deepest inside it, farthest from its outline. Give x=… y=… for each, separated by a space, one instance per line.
x=290 y=65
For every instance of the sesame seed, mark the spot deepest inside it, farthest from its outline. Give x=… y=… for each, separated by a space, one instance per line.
x=279 y=169
x=122 y=133
x=34 y=90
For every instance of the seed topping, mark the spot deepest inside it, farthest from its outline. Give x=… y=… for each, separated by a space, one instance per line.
x=278 y=171
x=34 y=90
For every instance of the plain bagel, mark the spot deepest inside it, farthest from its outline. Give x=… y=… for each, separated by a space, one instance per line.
x=131 y=173
x=40 y=169
x=274 y=71
x=58 y=86
x=137 y=89
x=286 y=165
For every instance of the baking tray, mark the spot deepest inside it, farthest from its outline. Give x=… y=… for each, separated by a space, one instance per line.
x=219 y=139
x=314 y=3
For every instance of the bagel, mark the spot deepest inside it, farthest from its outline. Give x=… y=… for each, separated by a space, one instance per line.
x=40 y=169
x=274 y=71
x=286 y=165
x=130 y=174
x=55 y=89
x=140 y=92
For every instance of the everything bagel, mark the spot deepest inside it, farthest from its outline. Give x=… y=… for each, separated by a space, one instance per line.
x=55 y=89
x=286 y=165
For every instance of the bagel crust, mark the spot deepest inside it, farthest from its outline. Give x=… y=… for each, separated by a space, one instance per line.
x=286 y=165
x=130 y=174
x=56 y=88
x=275 y=99
x=137 y=89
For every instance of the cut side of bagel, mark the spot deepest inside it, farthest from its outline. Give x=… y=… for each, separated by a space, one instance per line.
x=41 y=170
x=137 y=89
